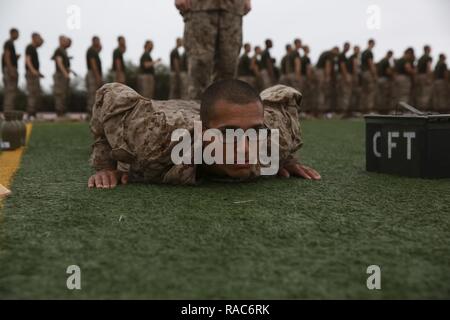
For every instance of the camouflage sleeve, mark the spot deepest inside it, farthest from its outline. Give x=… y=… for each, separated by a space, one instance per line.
x=281 y=111
x=101 y=150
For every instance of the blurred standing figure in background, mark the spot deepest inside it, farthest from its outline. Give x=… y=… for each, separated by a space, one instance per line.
x=256 y=67
x=175 y=70
x=404 y=70
x=295 y=63
x=343 y=82
x=9 y=68
x=353 y=68
x=441 y=87
x=94 y=77
x=368 y=78
x=213 y=39
x=118 y=62
x=267 y=70
x=33 y=75
x=286 y=66
x=424 y=80
x=384 y=99
x=146 y=77
x=308 y=82
x=324 y=75
x=245 y=72
x=61 y=77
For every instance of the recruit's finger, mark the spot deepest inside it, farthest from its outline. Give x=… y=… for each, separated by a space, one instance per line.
x=105 y=180
x=91 y=182
x=301 y=172
x=112 y=179
x=313 y=173
x=283 y=173
x=98 y=181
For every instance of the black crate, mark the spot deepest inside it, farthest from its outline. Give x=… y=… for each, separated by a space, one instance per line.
x=408 y=145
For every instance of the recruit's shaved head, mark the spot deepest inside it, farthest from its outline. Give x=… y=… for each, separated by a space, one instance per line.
x=232 y=91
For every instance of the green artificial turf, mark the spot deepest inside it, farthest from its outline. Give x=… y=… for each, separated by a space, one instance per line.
x=291 y=238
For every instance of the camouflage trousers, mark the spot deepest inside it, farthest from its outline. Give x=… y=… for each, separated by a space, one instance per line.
x=344 y=94
x=119 y=77
x=368 y=92
x=285 y=80
x=402 y=91
x=91 y=87
x=266 y=81
x=60 y=92
x=10 y=90
x=178 y=85
x=441 y=96
x=146 y=85
x=306 y=87
x=384 y=101
x=213 y=40
x=34 y=92
x=355 y=99
x=324 y=94
x=423 y=90
x=251 y=80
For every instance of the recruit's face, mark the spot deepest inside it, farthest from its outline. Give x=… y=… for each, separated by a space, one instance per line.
x=228 y=115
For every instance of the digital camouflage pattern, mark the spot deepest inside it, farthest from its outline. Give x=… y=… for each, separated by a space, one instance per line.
x=233 y=6
x=34 y=92
x=213 y=39
x=132 y=133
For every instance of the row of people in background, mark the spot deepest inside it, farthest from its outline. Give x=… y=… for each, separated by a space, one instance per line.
x=346 y=83
x=61 y=77
x=339 y=82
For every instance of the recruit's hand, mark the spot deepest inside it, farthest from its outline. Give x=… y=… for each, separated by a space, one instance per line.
x=183 y=5
x=298 y=170
x=107 y=179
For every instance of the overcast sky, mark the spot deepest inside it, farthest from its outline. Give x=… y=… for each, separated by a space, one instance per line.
x=319 y=23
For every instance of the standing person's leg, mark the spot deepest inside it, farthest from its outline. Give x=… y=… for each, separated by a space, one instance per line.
x=403 y=88
x=58 y=92
x=10 y=90
x=174 y=92
x=151 y=86
x=120 y=77
x=91 y=87
x=34 y=93
x=183 y=85
x=229 y=44
x=200 y=38
x=321 y=92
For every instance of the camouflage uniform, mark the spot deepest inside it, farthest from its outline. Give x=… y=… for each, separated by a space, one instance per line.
x=91 y=82
x=441 y=89
x=402 y=82
x=384 y=99
x=10 y=90
x=424 y=83
x=10 y=77
x=133 y=134
x=213 y=38
x=368 y=83
x=245 y=73
x=60 y=82
x=34 y=92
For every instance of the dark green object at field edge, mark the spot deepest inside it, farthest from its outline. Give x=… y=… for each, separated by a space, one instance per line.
x=275 y=238
x=13 y=131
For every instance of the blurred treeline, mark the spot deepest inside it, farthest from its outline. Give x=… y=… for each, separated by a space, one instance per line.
x=77 y=98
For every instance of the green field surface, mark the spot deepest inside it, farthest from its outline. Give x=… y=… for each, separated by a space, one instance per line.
x=269 y=239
